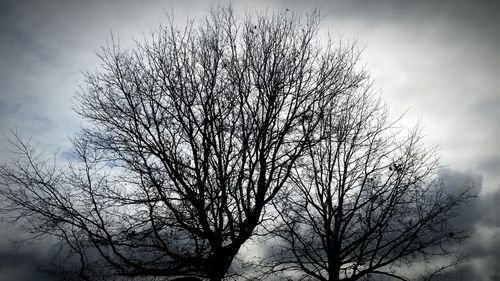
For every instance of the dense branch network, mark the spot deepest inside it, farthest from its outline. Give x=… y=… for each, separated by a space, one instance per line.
x=191 y=136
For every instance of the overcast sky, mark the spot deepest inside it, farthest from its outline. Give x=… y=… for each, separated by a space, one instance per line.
x=440 y=60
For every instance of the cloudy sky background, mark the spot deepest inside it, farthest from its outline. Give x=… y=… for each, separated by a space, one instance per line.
x=440 y=60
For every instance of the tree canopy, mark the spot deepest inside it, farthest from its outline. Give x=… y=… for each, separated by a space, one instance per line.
x=203 y=136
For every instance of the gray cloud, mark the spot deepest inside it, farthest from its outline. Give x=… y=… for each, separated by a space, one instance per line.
x=480 y=217
x=20 y=266
x=21 y=261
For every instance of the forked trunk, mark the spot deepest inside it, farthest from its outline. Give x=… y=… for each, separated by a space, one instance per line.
x=220 y=263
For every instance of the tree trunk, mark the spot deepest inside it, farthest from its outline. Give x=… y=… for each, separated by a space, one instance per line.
x=334 y=269
x=334 y=277
x=221 y=261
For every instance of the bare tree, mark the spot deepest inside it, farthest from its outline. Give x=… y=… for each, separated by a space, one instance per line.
x=190 y=136
x=365 y=202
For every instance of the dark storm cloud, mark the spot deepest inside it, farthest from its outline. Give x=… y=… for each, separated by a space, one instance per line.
x=482 y=254
x=482 y=212
x=457 y=181
x=22 y=265
x=490 y=164
x=481 y=219
x=490 y=209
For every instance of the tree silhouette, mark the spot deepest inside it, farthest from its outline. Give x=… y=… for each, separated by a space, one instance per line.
x=190 y=135
x=365 y=202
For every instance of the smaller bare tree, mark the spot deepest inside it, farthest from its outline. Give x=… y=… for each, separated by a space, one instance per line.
x=364 y=202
